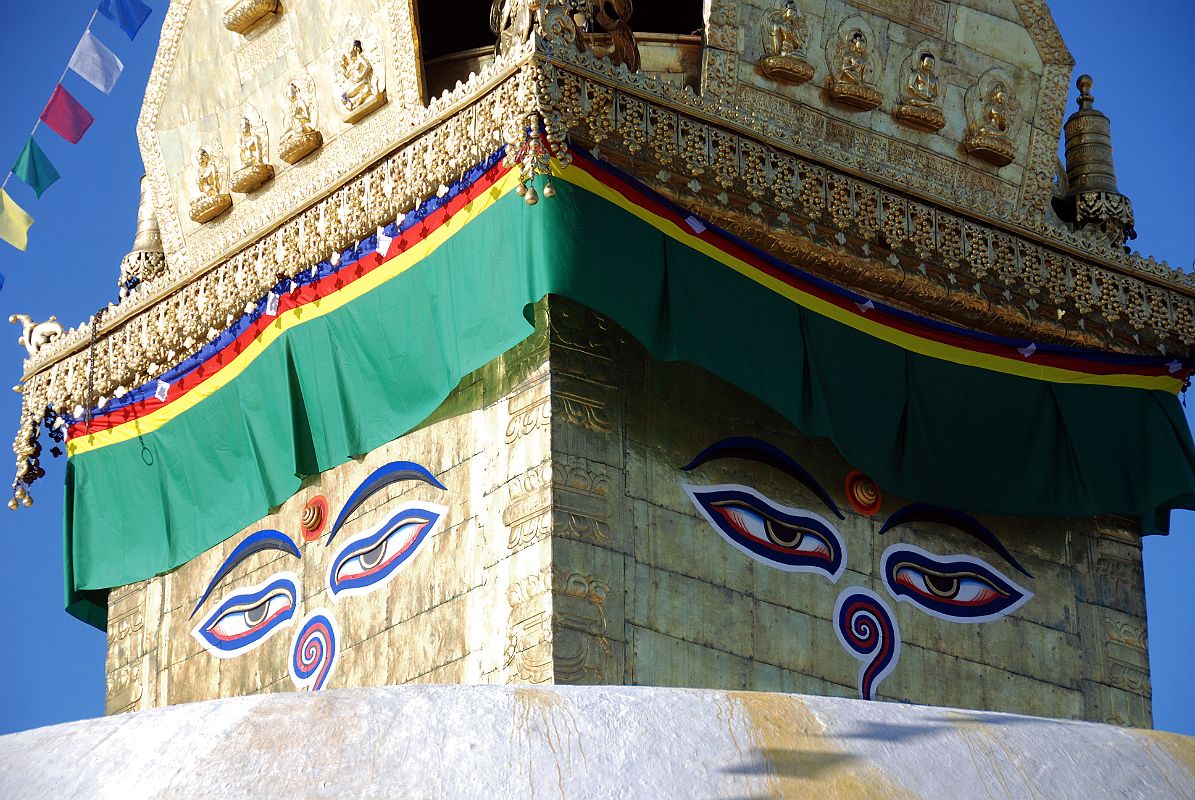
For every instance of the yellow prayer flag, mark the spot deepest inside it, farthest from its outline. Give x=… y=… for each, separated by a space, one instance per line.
x=14 y=222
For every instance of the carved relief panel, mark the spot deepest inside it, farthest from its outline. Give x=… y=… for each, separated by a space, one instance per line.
x=333 y=83
x=916 y=61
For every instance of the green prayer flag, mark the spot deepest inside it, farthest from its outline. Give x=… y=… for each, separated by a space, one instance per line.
x=34 y=168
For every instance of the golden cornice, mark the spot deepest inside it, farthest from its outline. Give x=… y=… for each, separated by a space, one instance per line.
x=899 y=283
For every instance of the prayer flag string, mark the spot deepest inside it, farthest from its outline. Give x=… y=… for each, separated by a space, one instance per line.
x=95 y=63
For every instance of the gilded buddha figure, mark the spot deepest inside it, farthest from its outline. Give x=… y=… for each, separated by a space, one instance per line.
x=852 y=67
x=212 y=200
x=784 y=38
x=254 y=171
x=360 y=88
x=993 y=110
x=300 y=137
x=919 y=104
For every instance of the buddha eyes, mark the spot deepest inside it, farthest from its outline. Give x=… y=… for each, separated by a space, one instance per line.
x=955 y=588
x=246 y=619
x=375 y=556
x=789 y=539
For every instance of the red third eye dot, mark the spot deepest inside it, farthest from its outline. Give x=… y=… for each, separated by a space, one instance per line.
x=862 y=493
x=315 y=516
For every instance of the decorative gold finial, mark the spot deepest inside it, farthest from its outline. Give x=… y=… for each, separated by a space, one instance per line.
x=36 y=335
x=1084 y=85
x=146 y=260
x=1092 y=195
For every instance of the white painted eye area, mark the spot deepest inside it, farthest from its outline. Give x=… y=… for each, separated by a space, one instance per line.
x=368 y=562
x=374 y=557
x=955 y=588
x=249 y=616
x=765 y=529
x=789 y=539
x=238 y=622
x=959 y=588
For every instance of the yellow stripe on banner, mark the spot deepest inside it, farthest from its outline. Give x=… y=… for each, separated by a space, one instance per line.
x=1019 y=366
x=293 y=318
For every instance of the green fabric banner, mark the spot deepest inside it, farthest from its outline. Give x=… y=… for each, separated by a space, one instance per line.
x=345 y=383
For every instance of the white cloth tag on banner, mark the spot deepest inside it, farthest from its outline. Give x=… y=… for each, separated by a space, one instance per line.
x=161 y=391
x=383 y=242
x=697 y=225
x=865 y=307
x=1174 y=366
x=1027 y=351
x=272 y=305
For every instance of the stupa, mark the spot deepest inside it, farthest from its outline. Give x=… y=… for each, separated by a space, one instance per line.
x=757 y=347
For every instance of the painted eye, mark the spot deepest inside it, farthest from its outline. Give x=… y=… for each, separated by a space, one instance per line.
x=376 y=556
x=958 y=588
x=246 y=619
x=789 y=539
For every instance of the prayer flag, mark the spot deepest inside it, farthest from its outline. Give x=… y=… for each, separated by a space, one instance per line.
x=66 y=116
x=95 y=63
x=34 y=168
x=14 y=222
x=128 y=14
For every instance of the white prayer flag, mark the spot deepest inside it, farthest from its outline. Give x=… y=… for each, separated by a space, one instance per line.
x=272 y=304
x=162 y=391
x=95 y=63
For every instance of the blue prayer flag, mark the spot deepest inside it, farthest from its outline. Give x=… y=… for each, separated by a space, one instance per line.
x=128 y=14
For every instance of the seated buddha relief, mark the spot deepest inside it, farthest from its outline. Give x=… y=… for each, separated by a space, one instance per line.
x=301 y=136
x=212 y=200
x=785 y=35
x=253 y=149
x=993 y=113
x=854 y=66
x=360 y=83
x=920 y=105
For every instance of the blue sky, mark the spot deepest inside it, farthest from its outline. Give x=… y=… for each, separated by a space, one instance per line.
x=52 y=669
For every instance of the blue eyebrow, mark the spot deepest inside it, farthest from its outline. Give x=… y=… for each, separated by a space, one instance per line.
x=923 y=512
x=758 y=450
x=379 y=479
x=254 y=543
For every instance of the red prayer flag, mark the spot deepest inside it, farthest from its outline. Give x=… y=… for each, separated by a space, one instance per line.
x=66 y=116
